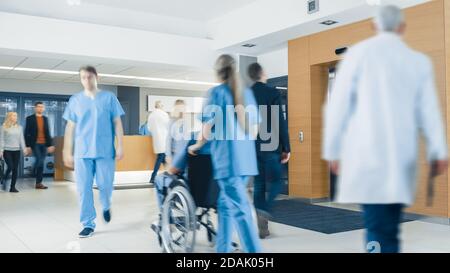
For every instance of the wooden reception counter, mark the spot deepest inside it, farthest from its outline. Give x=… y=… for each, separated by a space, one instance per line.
x=136 y=167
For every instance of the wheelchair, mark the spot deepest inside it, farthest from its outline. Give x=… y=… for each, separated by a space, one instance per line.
x=187 y=207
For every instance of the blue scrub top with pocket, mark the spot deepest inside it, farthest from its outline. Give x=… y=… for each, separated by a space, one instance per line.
x=233 y=151
x=94 y=119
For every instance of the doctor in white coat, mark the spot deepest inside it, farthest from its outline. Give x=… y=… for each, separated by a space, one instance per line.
x=158 y=123
x=384 y=95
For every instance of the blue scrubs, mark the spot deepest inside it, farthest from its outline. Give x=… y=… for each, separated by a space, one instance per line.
x=234 y=161
x=94 y=148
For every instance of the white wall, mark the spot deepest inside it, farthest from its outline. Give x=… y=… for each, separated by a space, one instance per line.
x=144 y=92
x=275 y=62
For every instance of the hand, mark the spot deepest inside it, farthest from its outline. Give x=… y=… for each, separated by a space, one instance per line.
x=193 y=149
x=29 y=151
x=68 y=160
x=25 y=152
x=172 y=170
x=119 y=154
x=285 y=157
x=440 y=166
x=51 y=149
x=1 y=154
x=335 y=166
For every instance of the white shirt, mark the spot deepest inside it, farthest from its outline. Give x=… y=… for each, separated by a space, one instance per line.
x=158 y=122
x=383 y=96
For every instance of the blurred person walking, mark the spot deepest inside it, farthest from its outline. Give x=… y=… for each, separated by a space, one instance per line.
x=93 y=124
x=12 y=143
x=272 y=147
x=383 y=96
x=38 y=141
x=231 y=131
x=158 y=123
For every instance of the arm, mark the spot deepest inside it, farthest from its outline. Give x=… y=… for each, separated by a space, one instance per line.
x=283 y=132
x=22 y=142
x=169 y=141
x=48 y=137
x=68 y=144
x=118 y=128
x=27 y=132
x=430 y=122
x=339 y=108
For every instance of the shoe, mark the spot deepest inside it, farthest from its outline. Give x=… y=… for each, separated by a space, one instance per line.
x=152 y=182
x=107 y=216
x=13 y=190
x=41 y=186
x=263 y=226
x=86 y=232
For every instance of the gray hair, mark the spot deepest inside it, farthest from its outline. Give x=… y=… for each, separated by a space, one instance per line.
x=158 y=104
x=388 y=18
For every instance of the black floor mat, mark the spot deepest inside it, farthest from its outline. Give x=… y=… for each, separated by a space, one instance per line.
x=317 y=218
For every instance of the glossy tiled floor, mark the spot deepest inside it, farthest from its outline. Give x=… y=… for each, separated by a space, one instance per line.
x=47 y=221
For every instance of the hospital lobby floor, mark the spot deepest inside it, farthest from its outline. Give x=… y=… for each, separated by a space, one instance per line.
x=47 y=221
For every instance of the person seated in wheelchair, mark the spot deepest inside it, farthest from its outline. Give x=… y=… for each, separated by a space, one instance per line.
x=178 y=169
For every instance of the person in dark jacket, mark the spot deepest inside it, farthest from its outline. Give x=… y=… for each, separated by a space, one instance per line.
x=38 y=141
x=272 y=146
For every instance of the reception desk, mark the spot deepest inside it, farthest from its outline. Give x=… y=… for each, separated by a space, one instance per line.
x=135 y=168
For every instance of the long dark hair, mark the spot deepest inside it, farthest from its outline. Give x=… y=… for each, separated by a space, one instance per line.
x=226 y=72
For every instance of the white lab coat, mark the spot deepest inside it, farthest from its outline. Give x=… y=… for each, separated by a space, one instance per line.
x=158 y=123
x=383 y=96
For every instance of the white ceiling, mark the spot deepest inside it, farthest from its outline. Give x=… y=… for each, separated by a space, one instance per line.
x=179 y=17
x=201 y=10
x=152 y=71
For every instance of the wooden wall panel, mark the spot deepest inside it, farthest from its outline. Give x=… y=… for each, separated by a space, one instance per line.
x=447 y=80
x=299 y=117
x=426 y=32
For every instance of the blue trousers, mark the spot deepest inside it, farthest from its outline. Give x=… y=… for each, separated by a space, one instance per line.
x=160 y=159
x=162 y=181
x=102 y=169
x=382 y=227
x=234 y=210
x=269 y=168
x=39 y=152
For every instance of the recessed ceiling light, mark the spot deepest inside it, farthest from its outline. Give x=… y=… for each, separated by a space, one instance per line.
x=53 y=71
x=249 y=45
x=328 y=22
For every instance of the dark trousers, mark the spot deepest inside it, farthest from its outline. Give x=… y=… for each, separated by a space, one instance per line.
x=12 y=161
x=39 y=152
x=269 y=167
x=382 y=227
x=160 y=159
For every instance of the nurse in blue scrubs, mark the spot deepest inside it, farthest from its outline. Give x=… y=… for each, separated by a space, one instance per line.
x=93 y=122
x=231 y=131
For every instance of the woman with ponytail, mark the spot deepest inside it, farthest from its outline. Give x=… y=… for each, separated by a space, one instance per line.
x=230 y=123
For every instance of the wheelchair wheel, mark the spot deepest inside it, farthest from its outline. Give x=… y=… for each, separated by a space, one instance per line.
x=178 y=221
